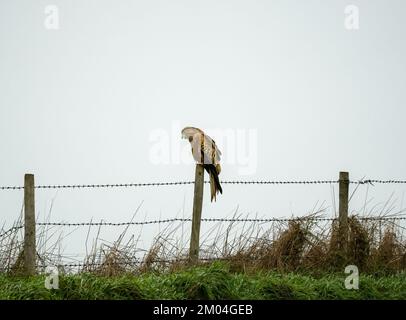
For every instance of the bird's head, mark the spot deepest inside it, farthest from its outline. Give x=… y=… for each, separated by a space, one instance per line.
x=190 y=132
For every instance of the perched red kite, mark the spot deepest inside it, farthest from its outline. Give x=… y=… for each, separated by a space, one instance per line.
x=205 y=152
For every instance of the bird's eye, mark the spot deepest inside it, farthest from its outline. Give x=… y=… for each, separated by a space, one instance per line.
x=190 y=139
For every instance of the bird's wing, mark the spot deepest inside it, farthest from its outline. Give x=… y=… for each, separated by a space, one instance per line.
x=211 y=150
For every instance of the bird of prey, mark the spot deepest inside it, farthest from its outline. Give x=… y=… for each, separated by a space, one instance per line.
x=205 y=152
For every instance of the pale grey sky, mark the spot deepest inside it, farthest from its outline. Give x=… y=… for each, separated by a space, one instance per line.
x=79 y=104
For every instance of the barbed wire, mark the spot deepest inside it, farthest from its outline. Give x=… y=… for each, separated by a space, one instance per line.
x=11 y=230
x=372 y=181
x=157 y=184
x=278 y=182
x=88 y=264
x=132 y=262
x=261 y=220
x=103 y=223
x=138 y=262
x=117 y=185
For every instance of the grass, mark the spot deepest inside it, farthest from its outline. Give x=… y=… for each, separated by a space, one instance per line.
x=212 y=281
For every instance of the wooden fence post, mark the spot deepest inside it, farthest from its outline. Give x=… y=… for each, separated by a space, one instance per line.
x=197 y=213
x=29 y=225
x=343 y=210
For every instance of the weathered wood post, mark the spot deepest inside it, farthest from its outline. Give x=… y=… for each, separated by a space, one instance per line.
x=197 y=213
x=29 y=225
x=343 y=211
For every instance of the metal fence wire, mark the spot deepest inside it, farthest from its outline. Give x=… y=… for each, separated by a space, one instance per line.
x=343 y=182
x=159 y=184
x=175 y=183
x=149 y=222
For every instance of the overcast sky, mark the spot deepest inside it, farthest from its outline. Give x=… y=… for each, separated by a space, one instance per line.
x=298 y=95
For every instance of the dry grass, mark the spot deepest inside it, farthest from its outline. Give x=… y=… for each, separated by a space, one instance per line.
x=298 y=245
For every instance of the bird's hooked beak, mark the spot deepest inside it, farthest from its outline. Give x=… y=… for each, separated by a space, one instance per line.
x=185 y=136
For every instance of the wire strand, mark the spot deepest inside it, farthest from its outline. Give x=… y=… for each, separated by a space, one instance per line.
x=158 y=184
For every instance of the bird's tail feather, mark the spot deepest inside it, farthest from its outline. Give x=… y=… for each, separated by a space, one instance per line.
x=215 y=186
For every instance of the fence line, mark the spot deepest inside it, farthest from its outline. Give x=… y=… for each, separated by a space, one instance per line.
x=157 y=184
x=30 y=224
x=140 y=262
x=262 y=220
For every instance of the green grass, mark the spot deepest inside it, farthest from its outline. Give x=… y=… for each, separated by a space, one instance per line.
x=209 y=282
